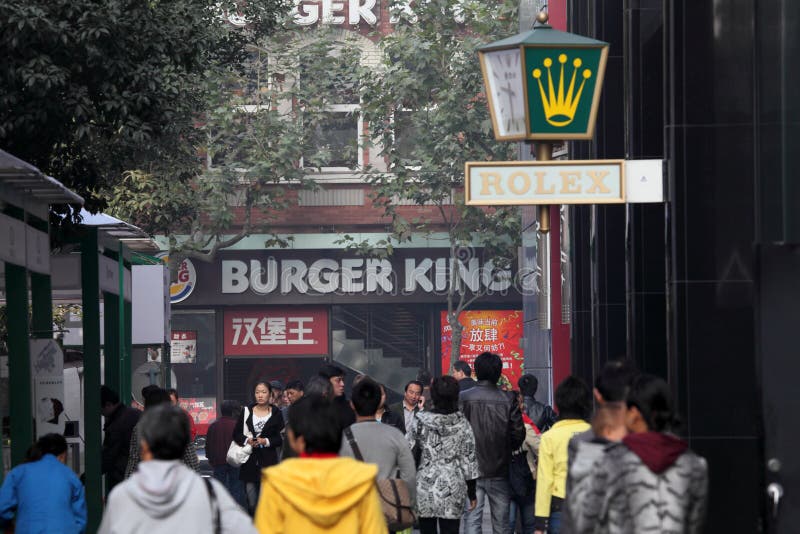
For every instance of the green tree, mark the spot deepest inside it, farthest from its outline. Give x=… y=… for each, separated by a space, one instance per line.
x=259 y=134
x=90 y=89
x=427 y=109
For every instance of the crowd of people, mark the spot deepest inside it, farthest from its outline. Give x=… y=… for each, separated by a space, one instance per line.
x=305 y=458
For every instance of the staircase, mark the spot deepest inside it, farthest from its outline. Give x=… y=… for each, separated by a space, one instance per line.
x=386 y=370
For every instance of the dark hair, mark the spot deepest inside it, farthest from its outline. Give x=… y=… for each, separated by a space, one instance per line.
x=652 y=397
x=319 y=385
x=528 y=385
x=265 y=382
x=154 y=397
x=108 y=396
x=54 y=444
x=165 y=429
x=424 y=376
x=316 y=419
x=573 y=399
x=295 y=385
x=415 y=383
x=366 y=397
x=173 y=391
x=147 y=389
x=229 y=408
x=615 y=379
x=329 y=371
x=444 y=392
x=462 y=366
x=489 y=367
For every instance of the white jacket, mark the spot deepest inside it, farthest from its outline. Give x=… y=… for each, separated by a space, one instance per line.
x=167 y=497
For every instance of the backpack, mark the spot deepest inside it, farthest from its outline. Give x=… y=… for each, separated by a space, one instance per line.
x=394 y=494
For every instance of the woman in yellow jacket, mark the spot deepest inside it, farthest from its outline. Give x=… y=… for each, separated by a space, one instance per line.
x=318 y=491
x=574 y=402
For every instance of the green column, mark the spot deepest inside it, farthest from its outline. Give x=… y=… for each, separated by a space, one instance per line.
x=111 y=347
x=42 y=306
x=90 y=288
x=125 y=358
x=19 y=362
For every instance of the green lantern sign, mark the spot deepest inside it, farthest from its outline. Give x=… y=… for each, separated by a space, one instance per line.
x=543 y=84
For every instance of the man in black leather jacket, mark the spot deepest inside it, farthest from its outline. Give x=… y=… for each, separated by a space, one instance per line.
x=497 y=424
x=541 y=414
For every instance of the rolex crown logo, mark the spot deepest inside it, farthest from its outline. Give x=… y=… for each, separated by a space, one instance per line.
x=559 y=107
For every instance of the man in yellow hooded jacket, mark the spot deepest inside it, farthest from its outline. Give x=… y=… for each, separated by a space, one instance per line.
x=318 y=492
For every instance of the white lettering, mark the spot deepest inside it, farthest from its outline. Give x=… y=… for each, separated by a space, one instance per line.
x=351 y=273
x=305 y=15
x=328 y=7
x=441 y=274
x=300 y=331
x=379 y=273
x=418 y=275
x=471 y=274
x=362 y=11
x=292 y=274
x=496 y=279
x=234 y=276
x=260 y=283
x=322 y=276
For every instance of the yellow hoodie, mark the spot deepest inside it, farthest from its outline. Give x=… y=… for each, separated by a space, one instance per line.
x=551 y=475
x=316 y=495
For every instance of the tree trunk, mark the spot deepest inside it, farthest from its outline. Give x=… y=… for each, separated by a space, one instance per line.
x=457 y=329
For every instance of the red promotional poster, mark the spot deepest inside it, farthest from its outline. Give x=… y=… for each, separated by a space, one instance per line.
x=203 y=410
x=498 y=331
x=276 y=332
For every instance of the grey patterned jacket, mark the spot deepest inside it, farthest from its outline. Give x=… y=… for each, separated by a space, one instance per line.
x=448 y=460
x=626 y=497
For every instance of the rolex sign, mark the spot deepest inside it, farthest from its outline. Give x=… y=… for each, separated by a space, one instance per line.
x=563 y=90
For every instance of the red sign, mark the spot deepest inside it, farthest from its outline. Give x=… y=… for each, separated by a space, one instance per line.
x=203 y=410
x=276 y=332
x=497 y=331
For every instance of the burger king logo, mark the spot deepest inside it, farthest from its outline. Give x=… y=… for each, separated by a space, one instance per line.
x=187 y=280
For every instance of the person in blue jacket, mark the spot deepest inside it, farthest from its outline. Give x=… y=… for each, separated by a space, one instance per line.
x=43 y=495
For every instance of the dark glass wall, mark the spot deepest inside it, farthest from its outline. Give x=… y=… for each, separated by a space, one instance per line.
x=707 y=86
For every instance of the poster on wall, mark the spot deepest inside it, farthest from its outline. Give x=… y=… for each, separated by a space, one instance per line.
x=48 y=393
x=183 y=346
x=47 y=372
x=276 y=332
x=497 y=331
x=203 y=410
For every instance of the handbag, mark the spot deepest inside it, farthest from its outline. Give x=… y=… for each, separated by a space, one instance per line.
x=239 y=454
x=394 y=495
x=520 y=477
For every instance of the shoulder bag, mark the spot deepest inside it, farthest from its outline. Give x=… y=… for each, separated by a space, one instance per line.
x=239 y=454
x=395 y=498
x=212 y=497
x=520 y=478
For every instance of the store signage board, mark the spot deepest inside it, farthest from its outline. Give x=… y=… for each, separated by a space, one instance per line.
x=552 y=182
x=294 y=331
x=564 y=182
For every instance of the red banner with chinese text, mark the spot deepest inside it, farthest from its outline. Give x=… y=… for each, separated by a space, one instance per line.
x=497 y=331
x=276 y=332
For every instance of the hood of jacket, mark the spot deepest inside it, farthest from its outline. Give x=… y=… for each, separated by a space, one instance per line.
x=159 y=487
x=322 y=489
x=657 y=451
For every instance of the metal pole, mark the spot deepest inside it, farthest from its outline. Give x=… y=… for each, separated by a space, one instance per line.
x=544 y=152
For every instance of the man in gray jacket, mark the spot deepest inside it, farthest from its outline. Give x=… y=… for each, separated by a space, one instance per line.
x=164 y=495
x=379 y=443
